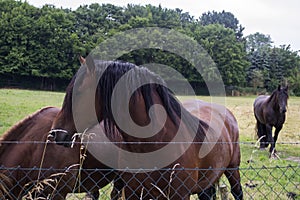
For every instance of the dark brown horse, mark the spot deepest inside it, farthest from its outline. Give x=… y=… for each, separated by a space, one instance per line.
x=171 y=153
x=25 y=158
x=269 y=112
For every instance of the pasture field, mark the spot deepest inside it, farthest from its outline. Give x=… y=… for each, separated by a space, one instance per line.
x=258 y=183
x=17 y=104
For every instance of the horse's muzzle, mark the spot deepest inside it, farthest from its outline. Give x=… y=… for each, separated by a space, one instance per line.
x=282 y=110
x=61 y=137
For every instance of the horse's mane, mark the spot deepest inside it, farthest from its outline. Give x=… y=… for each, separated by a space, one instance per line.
x=16 y=132
x=273 y=96
x=111 y=72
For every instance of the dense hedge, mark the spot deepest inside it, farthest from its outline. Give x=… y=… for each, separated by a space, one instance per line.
x=41 y=45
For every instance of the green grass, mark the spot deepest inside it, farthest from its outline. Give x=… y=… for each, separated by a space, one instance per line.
x=256 y=167
x=272 y=183
x=17 y=104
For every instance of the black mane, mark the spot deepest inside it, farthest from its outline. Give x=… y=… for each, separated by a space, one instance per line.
x=110 y=73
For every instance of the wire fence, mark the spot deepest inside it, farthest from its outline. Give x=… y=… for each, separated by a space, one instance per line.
x=270 y=181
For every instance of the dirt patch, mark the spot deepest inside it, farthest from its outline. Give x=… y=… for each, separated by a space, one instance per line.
x=293 y=158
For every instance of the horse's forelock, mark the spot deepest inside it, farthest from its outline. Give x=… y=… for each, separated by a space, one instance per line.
x=282 y=91
x=274 y=97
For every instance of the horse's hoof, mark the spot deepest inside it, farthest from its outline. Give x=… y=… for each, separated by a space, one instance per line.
x=262 y=148
x=251 y=185
x=291 y=195
x=274 y=156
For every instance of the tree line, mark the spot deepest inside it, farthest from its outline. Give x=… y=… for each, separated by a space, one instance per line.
x=42 y=44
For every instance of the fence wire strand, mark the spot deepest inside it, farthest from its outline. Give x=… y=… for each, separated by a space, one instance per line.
x=74 y=182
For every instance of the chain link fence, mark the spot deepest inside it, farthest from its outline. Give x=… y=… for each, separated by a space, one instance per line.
x=75 y=182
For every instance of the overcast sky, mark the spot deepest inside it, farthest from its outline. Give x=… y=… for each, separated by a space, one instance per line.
x=276 y=18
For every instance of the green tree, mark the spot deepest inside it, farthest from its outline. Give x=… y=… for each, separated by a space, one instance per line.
x=284 y=66
x=95 y=22
x=37 y=42
x=227 y=19
x=45 y=42
x=55 y=45
x=16 y=37
x=278 y=65
x=227 y=52
x=258 y=41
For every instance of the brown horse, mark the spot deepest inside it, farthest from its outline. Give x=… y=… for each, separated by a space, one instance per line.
x=269 y=112
x=167 y=153
x=26 y=158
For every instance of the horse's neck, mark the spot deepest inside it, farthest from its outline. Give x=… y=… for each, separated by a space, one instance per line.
x=160 y=127
x=272 y=100
x=138 y=112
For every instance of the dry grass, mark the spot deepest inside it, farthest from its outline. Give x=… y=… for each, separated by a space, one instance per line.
x=242 y=108
x=167 y=196
x=5 y=183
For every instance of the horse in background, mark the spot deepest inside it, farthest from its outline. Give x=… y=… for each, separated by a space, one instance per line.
x=224 y=154
x=269 y=112
x=25 y=160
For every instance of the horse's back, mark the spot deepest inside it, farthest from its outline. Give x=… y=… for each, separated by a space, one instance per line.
x=41 y=119
x=214 y=114
x=31 y=128
x=260 y=100
x=221 y=121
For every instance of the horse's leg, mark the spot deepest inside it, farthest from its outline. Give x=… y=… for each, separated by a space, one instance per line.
x=277 y=130
x=116 y=193
x=234 y=179
x=265 y=134
x=261 y=134
x=208 y=194
x=270 y=137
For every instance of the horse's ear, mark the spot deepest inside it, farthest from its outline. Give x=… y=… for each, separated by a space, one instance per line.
x=279 y=87
x=286 y=88
x=90 y=64
x=82 y=60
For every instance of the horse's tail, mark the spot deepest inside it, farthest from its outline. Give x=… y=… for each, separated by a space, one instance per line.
x=261 y=134
x=258 y=129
